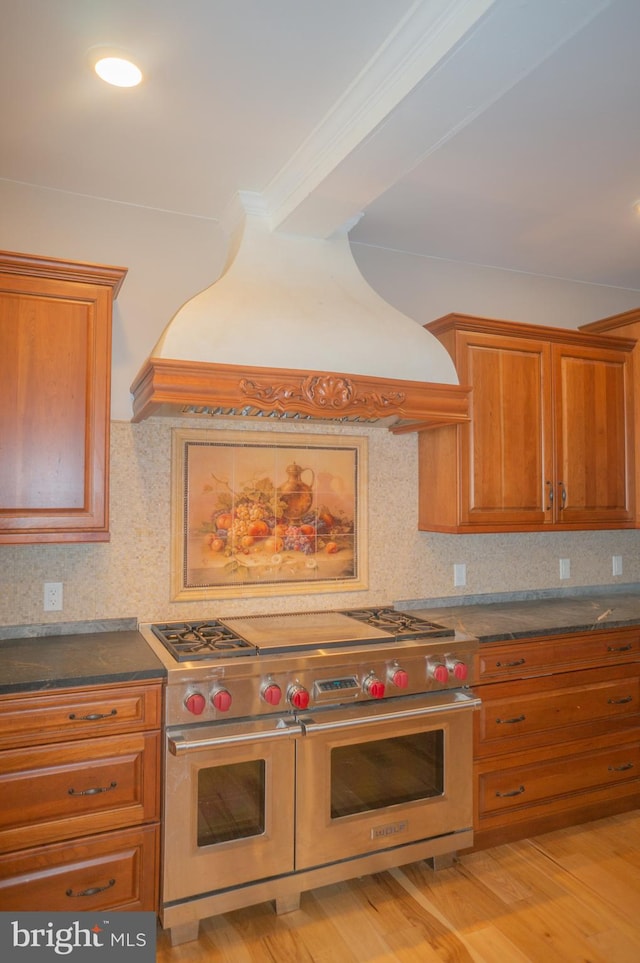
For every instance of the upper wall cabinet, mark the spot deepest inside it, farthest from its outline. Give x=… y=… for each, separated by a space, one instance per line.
x=55 y=374
x=549 y=445
x=626 y=325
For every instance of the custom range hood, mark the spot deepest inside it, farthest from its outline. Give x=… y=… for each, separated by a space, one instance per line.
x=291 y=330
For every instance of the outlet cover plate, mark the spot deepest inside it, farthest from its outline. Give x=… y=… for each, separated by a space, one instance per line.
x=52 y=601
x=459 y=574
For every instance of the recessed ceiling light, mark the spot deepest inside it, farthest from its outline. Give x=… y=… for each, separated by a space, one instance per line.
x=118 y=71
x=636 y=206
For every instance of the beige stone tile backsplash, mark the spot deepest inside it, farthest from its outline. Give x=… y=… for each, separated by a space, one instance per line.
x=128 y=577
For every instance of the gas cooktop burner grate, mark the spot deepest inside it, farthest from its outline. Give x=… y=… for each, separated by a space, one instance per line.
x=188 y=641
x=402 y=625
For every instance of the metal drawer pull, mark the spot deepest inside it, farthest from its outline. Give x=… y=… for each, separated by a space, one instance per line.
x=622 y=768
x=619 y=702
x=514 y=792
x=619 y=648
x=504 y=722
x=93 y=716
x=92 y=891
x=510 y=665
x=94 y=791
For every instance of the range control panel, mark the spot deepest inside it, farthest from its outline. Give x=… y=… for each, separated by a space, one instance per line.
x=240 y=688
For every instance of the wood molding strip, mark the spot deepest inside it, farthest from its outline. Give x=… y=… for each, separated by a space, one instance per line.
x=167 y=387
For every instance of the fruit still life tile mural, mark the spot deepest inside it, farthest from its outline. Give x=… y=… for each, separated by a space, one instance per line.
x=264 y=513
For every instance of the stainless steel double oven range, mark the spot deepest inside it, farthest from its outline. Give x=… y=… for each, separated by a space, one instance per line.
x=307 y=748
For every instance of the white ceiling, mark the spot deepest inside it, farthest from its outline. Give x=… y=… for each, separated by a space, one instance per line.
x=495 y=132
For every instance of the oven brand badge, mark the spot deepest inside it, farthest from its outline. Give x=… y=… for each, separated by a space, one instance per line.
x=390 y=829
x=38 y=937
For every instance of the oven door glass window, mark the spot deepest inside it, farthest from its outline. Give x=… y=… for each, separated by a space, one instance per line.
x=231 y=802
x=387 y=772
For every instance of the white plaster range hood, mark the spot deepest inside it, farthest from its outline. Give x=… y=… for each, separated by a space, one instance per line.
x=291 y=330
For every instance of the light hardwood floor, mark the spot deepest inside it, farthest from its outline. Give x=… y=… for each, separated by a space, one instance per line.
x=571 y=896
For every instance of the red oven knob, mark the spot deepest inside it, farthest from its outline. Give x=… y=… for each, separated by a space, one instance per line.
x=399 y=678
x=271 y=693
x=298 y=696
x=195 y=703
x=373 y=687
x=439 y=672
x=460 y=670
x=221 y=700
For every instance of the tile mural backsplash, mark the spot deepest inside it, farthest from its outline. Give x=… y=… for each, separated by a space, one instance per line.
x=129 y=577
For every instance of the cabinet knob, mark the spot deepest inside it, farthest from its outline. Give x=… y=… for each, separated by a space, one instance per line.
x=550 y=495
x=563 y=495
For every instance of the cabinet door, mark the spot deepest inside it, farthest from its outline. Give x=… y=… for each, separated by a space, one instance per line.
x=516 y=716
x=505 y=458
x=515 y=790
x=35 y=720
x=593 y=440
x=77 y=788
x=111 y=871
x=55 y=368
x=544 y=655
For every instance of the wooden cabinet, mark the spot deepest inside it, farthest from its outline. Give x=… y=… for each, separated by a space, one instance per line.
x=55 y=373
x=80 y=787
x=549 y=443
x=626 y=325
x=557 y=738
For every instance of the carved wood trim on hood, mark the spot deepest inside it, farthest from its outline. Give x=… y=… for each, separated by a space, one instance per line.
x=167 y=387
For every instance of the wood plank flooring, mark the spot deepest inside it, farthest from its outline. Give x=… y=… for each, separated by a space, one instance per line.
x=571 y=896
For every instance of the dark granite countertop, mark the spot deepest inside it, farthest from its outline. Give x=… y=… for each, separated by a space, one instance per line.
x=31 y=662
x=93 y=658
x=504 y=621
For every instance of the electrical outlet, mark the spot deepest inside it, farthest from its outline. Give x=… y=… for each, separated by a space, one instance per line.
x=53 y=596
x=459 y=574
x=565 y=568
x=616 y=564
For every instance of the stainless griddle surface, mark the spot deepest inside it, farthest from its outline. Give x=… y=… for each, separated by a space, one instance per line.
x=305 y=630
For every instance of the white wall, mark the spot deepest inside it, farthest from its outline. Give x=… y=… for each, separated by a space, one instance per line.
x=170 y=258
x=428 y=288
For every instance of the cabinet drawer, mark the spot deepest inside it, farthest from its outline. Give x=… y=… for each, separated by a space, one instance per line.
x=512 y=718
x=560 y=653
x=77 y=788
x=112 y=871
x=554 y=782
x=34 y=720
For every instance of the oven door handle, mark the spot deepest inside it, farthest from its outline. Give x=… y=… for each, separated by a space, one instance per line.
x=215 y=737
x=371 y=715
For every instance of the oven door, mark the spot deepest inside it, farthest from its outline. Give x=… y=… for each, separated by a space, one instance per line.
x=229 y=805
x=380 y=775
